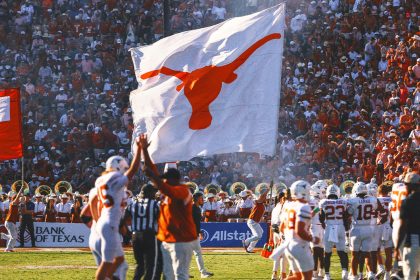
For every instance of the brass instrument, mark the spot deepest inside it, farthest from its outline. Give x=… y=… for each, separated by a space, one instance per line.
x=277 y=189
x=329 y=182
x=43 y=190
x=16 y=186
x=347 y=187
x=261 y=187
x=62 y=187
x=192 y=186
x=211 y=188
x=237 y=187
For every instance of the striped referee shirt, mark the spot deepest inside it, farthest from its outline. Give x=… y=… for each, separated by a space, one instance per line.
x=144 y=214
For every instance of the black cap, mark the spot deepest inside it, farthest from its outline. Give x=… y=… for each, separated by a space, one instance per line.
x=171 y=173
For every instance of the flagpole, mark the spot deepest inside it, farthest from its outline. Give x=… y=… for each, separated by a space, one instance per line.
x=166 y=17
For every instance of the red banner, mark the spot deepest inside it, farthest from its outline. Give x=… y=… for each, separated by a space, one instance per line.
x=10 y=124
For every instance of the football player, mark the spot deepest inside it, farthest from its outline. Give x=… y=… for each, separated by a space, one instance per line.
x=111 y=191
x=297 y=224
x=317 y=193
x=361 y=208
x=333 y=217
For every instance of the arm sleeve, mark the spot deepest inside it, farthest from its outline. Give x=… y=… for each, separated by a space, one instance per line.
x=404 y=210
x=304 y=213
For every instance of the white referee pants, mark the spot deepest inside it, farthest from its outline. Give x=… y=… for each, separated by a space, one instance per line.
x=11 y=237
x=257 y=233
x=176 y=260
x=198 y=256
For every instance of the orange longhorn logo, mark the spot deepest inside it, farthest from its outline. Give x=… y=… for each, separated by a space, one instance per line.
x=202 y=86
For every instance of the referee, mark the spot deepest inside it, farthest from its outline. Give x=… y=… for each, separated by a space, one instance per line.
x=143 y=214
x=410 y=227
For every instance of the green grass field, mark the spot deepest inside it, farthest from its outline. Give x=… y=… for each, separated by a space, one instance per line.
x=80 y=265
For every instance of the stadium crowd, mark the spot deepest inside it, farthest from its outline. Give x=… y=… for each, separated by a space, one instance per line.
x=349 y=104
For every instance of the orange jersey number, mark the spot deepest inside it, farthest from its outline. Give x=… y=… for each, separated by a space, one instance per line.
x=106 y=199
x=397 y=198
x=291 y=219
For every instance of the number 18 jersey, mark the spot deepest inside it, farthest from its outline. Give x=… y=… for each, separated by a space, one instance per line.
x=111 y=191
x=334 y=210
x=362 y=210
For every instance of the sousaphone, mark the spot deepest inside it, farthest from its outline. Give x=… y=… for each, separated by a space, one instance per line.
x=347 y=187
x=192 y=186
x=278 y=188
x=212 y=188
x=261 y=187
x=16 y=186
x=43 y=190
x=237 y=187
x=62 y=187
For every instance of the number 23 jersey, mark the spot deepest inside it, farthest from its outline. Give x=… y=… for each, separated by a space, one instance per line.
x=111 y=191
x=362 y=210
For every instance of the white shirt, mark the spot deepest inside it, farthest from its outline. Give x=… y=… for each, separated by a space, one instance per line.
x=361 y=210
x=334 y=210
x=219 y=12
x=210 y=206
x=40 y=134
x=247 y=203
x=63 y=208
x=398 y=194
x=297 y=212
x=111 y=192
x=39 y=207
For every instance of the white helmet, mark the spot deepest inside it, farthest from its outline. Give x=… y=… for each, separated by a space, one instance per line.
x=318 y=189
x=360 y=188
x=300 y=190
x=116 y=163
x=372 y=189
x=333 y=190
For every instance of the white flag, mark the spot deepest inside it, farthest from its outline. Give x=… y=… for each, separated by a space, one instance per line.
x=213 y=90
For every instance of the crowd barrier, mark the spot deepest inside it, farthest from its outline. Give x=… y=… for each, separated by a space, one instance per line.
x=61 y=235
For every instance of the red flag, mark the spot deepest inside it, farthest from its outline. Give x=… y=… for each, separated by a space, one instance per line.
x=10 y=124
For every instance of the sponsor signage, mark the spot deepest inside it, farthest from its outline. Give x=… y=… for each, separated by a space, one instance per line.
x=57 y=235
x=228 y=234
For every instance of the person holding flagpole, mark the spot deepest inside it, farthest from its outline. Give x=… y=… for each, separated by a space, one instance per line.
x=176 y=227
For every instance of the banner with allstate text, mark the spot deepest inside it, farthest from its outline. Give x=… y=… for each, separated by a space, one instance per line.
x=57 y=235
x=228 y=234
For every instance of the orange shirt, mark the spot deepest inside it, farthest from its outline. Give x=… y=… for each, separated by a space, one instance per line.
x=175 y=221
x=257 y=212
x=13 y=215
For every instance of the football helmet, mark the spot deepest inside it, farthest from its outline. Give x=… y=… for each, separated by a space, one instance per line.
x=360 y=188
x=333 y=190
x=116 y=163
x=372 y=189
x=300 y=190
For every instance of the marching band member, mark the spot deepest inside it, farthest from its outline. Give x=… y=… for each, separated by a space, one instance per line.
x=333 y=217
x=111 y=189
x=76 y=209
x=243 y=208
x=50 y=213
x=63 y=209
x=221 y=199
x=210 y=209
x=227 y=210
x=39 y=208
x=297 y=224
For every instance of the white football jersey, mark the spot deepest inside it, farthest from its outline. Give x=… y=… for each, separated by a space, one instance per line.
x=297 y=211
x=314 y=203
x=386 y=204
x=362 y=210
x=111 y=191
x=334 y=210
x=399 y=193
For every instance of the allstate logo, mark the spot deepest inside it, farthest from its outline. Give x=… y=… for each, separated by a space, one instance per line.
x=205 y=235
